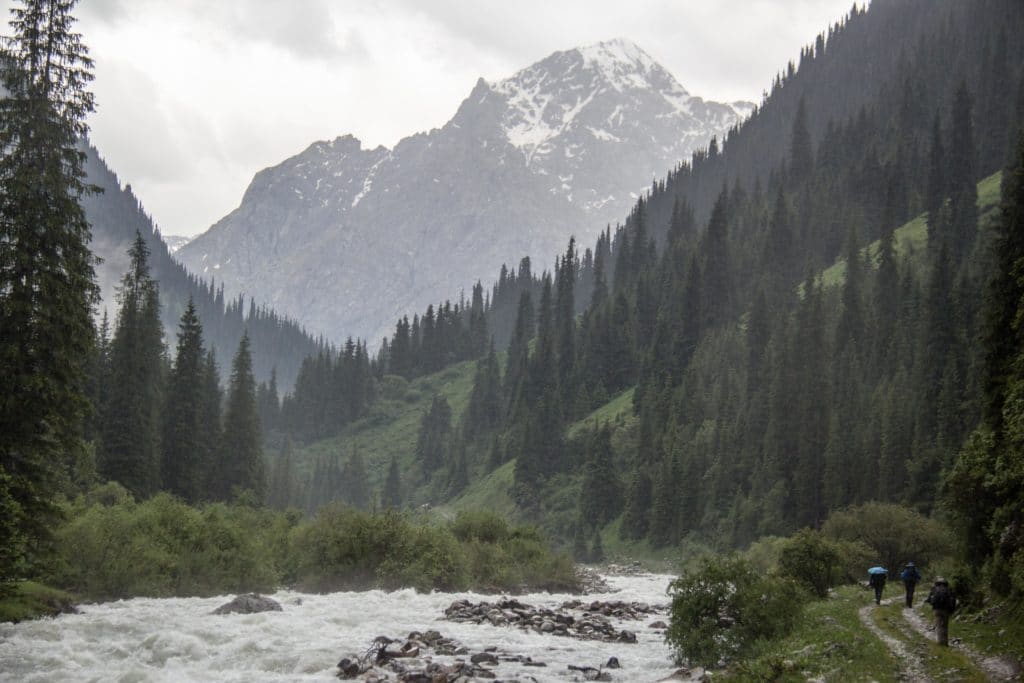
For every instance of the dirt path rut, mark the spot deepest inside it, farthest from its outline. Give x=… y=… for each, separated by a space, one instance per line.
x=911 y=667
x=997 y=668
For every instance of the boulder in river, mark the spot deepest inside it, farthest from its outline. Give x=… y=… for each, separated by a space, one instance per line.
x=250 y=603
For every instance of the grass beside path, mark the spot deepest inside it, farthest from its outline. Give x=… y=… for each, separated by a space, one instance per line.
x=829 y=644
x=31 y=600
x=847 y=638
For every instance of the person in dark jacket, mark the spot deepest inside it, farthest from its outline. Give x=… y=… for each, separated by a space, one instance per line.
x=910 y=576
x=943 y=603
x=877 y=581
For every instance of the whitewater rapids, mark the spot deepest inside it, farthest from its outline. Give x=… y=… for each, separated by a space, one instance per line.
x=177 y=639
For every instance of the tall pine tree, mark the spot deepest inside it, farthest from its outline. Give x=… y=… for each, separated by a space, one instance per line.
x=131 y=435
x=241 y=466
x=183 y=468
x=47 y=287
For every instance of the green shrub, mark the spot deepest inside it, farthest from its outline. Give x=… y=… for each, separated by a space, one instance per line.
x=341 y=548
x=112 y=547
x=854 y=558
x=896 y=534
x=763 y=554
x=811 y=561
x=428 y=558
x=481 y=526
x=725 y=608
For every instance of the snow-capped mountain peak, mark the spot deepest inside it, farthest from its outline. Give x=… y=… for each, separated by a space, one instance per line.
x=625 y=65
x=600 y=90
x=563 y=147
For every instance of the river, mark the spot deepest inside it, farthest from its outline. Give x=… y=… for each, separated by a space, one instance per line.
x=177 y=639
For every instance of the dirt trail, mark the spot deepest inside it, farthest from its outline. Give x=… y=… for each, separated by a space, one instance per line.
x=997 y=668
x=911 y=667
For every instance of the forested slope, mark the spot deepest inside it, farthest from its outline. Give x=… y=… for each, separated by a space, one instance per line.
x=115 y=215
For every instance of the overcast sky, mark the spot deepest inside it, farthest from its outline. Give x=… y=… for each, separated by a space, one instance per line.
x=195 y=96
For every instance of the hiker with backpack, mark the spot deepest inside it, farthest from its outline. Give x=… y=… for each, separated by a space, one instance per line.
x=910 y=576
x=943 y=603
x=876 y=579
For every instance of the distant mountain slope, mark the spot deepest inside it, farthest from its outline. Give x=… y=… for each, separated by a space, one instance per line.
x=115 y=216
x=347 y=239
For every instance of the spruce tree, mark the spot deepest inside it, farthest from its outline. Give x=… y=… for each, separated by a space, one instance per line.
x=718 y=286
x=183 y=469
x=434 y=439
x=565 y=323
x=519 y=348
x=47 y=285
x=938 y=185
x=801 y=151
x=962 y=176
x=638 y=503
x=210 y=399
x=600 y=494
x=241 y=466
x=130 y=451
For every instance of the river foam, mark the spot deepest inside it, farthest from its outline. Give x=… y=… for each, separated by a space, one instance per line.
x=163 y=640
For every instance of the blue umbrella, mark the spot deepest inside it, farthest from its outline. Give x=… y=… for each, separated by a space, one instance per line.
x=878 y=570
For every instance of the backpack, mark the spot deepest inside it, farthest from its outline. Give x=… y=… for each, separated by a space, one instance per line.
x=910 y=575
x=942 y=598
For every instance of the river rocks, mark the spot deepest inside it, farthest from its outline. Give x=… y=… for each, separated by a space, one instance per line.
x=614 y=608
x=484 y=658
x=591 y=674
x=576 y=619
x=412 y=661
x=590 y=581
x=250 y=603
x=634 y=568
x=660 y=625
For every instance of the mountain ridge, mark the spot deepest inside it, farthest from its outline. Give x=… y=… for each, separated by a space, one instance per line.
x=562 y=147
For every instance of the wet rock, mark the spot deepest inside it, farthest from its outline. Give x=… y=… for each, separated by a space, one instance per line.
x=591 y=674
x=348 y=668
x=657 y=624
x=613 y=663
x=250 y=603
x=484 y=657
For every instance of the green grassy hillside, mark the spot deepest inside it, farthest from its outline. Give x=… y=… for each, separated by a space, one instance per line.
x=391 y=428
x=912 y=237
x=491 y=492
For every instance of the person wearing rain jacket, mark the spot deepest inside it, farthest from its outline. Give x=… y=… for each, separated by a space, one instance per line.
x=910 y=576
x=877 y=581
x=943 y=603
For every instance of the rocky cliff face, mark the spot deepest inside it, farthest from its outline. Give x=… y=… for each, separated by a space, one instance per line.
x=347 y=239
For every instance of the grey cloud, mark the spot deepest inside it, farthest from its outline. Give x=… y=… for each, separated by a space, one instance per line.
x=305 y=29
x=103 y=11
